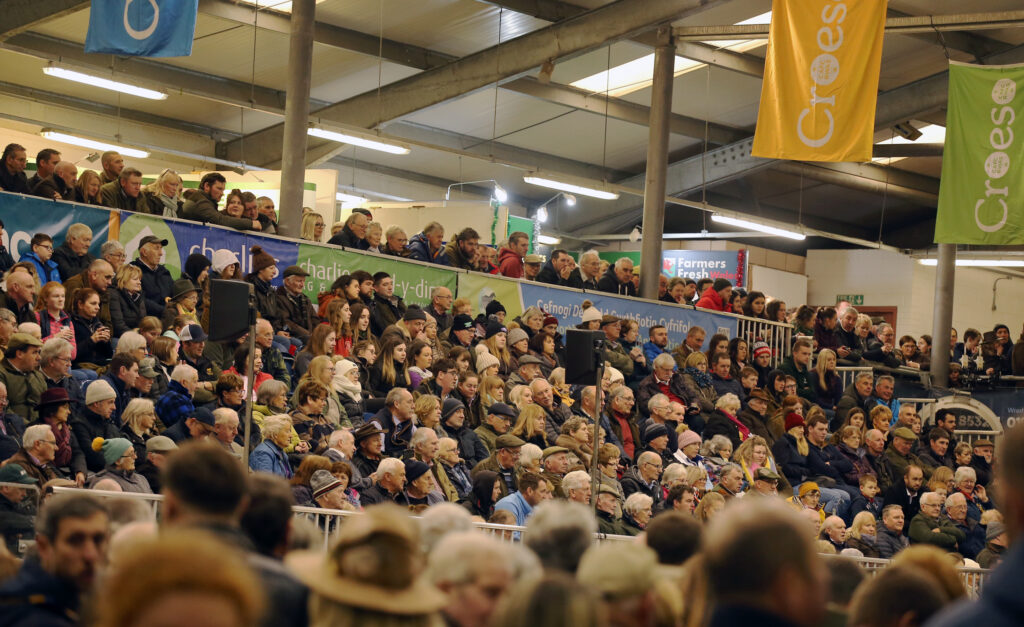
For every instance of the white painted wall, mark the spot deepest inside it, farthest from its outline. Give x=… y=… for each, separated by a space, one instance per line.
x=889 y=279
x=790 y=287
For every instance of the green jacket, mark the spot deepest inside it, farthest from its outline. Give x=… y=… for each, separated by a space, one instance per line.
x=607 y=524
x=456 y=258
x=491 y=463
x=23 y=390
x=111 y=195
x=898 y=463
x=617 y=356
x=948 y=536
x=488 y=436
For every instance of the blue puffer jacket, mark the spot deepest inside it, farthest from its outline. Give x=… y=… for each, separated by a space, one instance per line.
x=47 y=271
x=419 y=249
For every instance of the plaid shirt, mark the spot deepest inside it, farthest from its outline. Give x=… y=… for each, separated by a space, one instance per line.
x=175 y=405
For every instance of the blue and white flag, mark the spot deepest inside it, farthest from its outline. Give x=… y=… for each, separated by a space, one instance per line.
x=142 y=28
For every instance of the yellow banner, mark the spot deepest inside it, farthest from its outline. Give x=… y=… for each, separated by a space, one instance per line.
x=821 y=80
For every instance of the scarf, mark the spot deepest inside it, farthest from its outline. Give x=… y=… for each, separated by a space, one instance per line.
x=744 y=431
x=341 y=383
x=63 y=454
x=703 y=379
x=170 y=206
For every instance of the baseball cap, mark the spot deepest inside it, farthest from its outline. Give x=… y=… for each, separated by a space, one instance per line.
x=152 y=239
x=193 y=333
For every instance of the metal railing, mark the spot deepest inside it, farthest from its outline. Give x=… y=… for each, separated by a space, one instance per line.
x=972 y=578
x=848 y=374
x=778 y=336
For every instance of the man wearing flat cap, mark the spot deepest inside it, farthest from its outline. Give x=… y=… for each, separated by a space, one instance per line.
x=157 y=282
x=555 y=465
x=766 y=482
x=531 y=266
x=328 y=492
x=19 y=371
x=496 y=422
x=529 y=369
x=294 y=307
x=607 y=504
x=16 y=512
x=503 y=462
x=900 y=455
x=369 y=447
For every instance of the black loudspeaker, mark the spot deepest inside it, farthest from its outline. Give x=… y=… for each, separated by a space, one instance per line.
x=231 y=313
x=582 y=356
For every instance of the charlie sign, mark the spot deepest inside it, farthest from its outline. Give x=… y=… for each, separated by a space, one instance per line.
x=981 y=196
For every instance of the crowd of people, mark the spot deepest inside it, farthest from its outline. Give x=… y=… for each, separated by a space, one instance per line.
x=359 y=400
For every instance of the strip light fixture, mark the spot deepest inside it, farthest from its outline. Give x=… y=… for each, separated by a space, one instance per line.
x=349 y=198
x=548 y=240
x=564 y=185
x=74 y=140
x=363 y=140
x=984 y=263
x=757 y=226
x=499 y=192
x=103 y=83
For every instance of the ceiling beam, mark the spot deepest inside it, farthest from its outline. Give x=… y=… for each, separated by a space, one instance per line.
x=390 y=50
x=547 y=10
x=21 y=15
x=167 y=77
x=978 y=46
x=720 y=57
x=734 y=160
x=620 y=109
x=573 y=36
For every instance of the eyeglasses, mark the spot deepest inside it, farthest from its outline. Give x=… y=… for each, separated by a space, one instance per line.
x=45 y=246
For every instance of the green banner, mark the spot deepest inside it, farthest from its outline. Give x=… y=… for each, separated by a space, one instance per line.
x=413 y=281
x=981 y=195
x=481 y=289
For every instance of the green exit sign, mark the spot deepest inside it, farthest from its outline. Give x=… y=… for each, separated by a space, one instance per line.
x=853 y=299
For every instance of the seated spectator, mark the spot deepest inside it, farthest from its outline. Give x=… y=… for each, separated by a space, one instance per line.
x=40 y=255
x=98 y=276
x=87 y=189
x=296 y=309
x=201 y=204
x=94 y=421
x=37 y=453
x=929 y=526
x=900 y=595
x=119 y=465
x=127 y=303
x=717 y=296
x=619 y=278
x=12 y=170
x=59 y=184
x=20 y=296
x=428 y=245
x=19 y=372
x=353 y=235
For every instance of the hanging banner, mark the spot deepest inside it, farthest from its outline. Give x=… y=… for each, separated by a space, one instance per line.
x=142 y=28
x=820 y=80
x=981 y=194
x=705 y=264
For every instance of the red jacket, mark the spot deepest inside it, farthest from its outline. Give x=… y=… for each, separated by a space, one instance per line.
x=510 y=264
x=713 y=300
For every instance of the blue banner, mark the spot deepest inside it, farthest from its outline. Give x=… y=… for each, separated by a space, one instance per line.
x=705 y=264
x=24 y=216
x=566 y=304
x=142 y=28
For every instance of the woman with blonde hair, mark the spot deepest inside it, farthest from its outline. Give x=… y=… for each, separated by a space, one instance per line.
x=163 y=196
x=697 y=382
x=197 y=582
x=753 y=454
x=312 y=227
x=861 y=534
x=127 y=304
x=87 y=189
x=827 y=383
x=531 y=425
x=491 y=391
x=520 y=396
x=496 y=344
x=709 y=505
x=532 y=321
x=428 y=413
x=139 y=420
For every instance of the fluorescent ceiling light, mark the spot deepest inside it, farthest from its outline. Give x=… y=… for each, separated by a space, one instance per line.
x=542 y=214
x=565 y=186
x=548 y=240
x=349 y=198
x=988 y=263
x=104 y=83
x=639 y=73
x=284 y=6
x=57 y=136
x=757 y=226
x=930 y=134
x=364 y=140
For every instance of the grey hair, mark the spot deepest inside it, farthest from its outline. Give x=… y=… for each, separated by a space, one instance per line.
x=617 y=392
x=394 y=396
x=437 y=290
x=433 y=226
x=34 y=434
x=659 y=399
x=272 y=425
x=441 y=520
x=130 y=340
x=458 y=557
x=664 y=360
x=726 y=401
x=715 y=444
x=671 y=474
x=78 y=230
x=136 y=407
x=964 y=472
x=52 y=349
x=931 y=496
x=529 y=453
x=729 y=467
x=337 y=436
x=8 y=315
x=637 y=502
x=575 y=480
x=111 y=246
x=621 y=262
x=269 y=390
x=393 y=230
x=184 y=372
x=560 y=532
x=952 y=499
x=588 y=254
x=865 y=375
x=849 y=309
x=222 y=415
x=420 y=437
x=389 y=466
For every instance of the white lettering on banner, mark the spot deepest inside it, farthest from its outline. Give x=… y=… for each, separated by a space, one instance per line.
x=997 y=164
x=824 y=71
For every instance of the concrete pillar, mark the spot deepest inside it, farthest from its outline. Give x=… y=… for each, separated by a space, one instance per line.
x=296 y=116
x=657 y=164
x=942 y=317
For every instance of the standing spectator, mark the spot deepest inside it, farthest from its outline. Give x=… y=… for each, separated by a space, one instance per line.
x=163 y=196
x=395 y=241
x=87 y=190
x=266 y=215
x=157 y=283
x=557 y=269
x=586 y=276
x=201 y=204
x=510 y=256
x=126 y=192
x=462 y=250
x=353 y=234
x=12 y=170
x=427 y=245
x=46 y=163
x=72 y=257
x=41 y=256
x=618 y=279
x=60 y=185
x=112 y=163
x=717 y=296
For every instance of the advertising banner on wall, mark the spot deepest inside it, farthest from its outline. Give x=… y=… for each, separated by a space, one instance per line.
x=706 y=264
x=24 y=216
x=481 y=289
x=981 y=194
x=566 y=305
